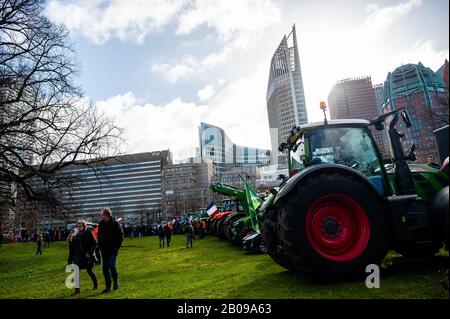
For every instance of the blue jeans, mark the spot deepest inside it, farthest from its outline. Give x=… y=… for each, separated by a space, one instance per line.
x=39 y=250
x=161 y=241
x=188 y=240
x=109 y=268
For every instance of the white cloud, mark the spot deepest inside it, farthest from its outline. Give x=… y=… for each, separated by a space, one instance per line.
x=231 y=19
x=206 y=92
x=380 y=19
x=128 y=20
x=236 y=107
x=422 y=51
x=134 y=20
x=188 y=66
x=149 y=127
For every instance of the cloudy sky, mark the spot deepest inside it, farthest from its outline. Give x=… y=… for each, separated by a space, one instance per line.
x=160 y=67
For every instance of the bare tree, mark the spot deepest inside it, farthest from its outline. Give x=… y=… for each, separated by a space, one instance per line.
x=45 y=122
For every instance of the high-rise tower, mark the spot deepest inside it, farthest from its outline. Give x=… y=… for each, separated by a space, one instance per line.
x=285 y=98
x=355 y=99
x=424 y=95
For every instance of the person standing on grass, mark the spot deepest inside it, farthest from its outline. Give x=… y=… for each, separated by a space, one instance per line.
x=1 y=240
x=39 y=245
x=110 y=237
x=189 y=230
x=202 y=229
x=161 y=235
x=47 y=240
x=82 y=252
x=168 y=233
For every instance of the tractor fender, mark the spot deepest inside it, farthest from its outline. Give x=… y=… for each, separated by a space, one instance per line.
x=320 y=169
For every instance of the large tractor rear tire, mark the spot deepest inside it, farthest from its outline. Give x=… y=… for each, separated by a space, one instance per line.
x=212 y=227
x=270 y=241
x=220 y=228
x=333 y=226
x=229 y=223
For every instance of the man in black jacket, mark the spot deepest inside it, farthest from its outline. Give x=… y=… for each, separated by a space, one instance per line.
x=110 y=237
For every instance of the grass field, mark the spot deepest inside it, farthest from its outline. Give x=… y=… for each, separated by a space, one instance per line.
x=212 y=269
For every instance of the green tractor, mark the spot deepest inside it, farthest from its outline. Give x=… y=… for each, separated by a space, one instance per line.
x=342 y=208
x=240 y=223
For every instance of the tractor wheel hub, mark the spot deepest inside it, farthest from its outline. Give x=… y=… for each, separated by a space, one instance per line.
x=331 y=227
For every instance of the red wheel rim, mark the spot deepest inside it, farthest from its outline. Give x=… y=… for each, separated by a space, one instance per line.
x=337 y=227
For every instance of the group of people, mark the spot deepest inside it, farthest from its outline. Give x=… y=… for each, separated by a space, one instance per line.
x=165 y=232
x=101 y=245
x=137 y=231
x=51 y=234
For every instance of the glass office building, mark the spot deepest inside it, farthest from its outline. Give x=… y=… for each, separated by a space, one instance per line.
x=224 y=154
x=424 y=94
x=130 y=185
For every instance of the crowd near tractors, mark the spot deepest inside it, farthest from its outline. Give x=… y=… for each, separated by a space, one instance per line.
x=343 y=206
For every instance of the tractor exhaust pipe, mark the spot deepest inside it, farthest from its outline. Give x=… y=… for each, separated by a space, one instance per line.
x=402 y=173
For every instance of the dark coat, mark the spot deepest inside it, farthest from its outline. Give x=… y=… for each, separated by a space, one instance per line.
x=167 y=231
x=161 y=231
x=83 y=244
x=110 y=236
x=189 y=230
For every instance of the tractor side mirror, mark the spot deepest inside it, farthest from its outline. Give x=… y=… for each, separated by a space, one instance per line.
x=282 y=147
x=411 y=155
x=405 y=117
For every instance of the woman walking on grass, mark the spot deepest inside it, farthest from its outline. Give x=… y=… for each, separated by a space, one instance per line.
x=82 y=251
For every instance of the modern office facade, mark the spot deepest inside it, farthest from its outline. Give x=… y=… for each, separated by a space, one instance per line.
x=355 y=98
x=130 y=185
x=224 y=154
x=378 y=90
x=185 y=186
x=285 y=97
x=425 y=96
x=234 y=176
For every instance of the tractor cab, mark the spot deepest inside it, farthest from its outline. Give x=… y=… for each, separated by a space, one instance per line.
x=232 y=205
x=344 y=142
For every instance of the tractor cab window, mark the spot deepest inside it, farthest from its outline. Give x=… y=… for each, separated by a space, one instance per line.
x=240 y=207
x=227 y=205
x=352 y=147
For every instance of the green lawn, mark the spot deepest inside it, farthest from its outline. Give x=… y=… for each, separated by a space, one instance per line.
x=212 y=269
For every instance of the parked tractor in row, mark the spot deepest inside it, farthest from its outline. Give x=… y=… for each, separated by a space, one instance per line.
x=239 y=222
